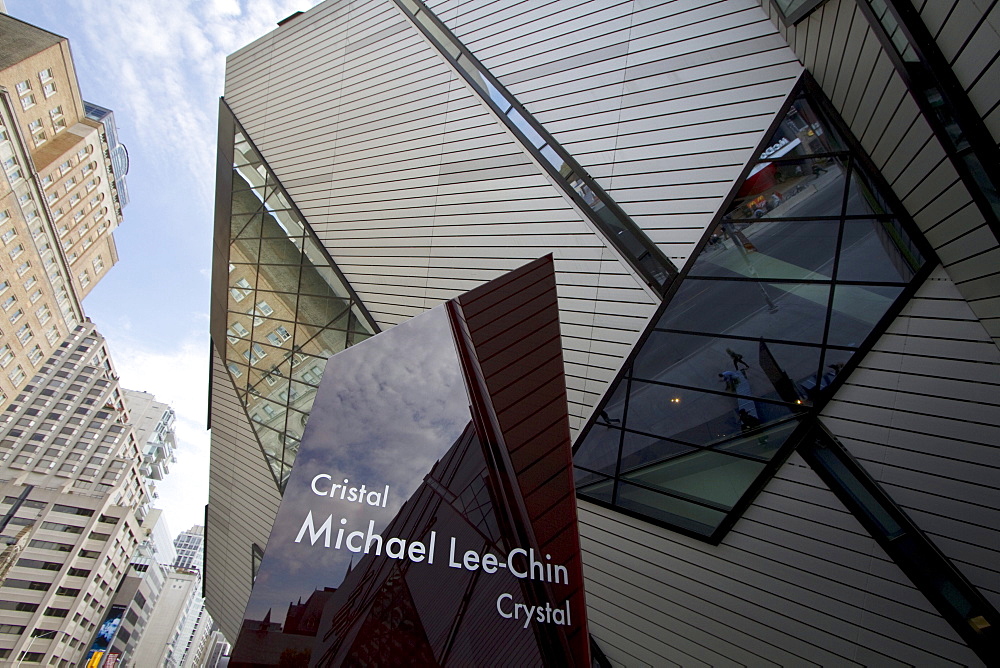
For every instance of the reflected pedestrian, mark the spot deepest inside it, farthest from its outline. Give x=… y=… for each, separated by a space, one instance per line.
x=737 y=359
x=748 y=421
x=732 y=380
x=608 y=419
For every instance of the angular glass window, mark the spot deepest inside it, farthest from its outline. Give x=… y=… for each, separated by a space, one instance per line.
x=271 y=330
x=791 y=281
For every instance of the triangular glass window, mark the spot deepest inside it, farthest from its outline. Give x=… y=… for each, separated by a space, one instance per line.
x=790 y=283
x=276 y=344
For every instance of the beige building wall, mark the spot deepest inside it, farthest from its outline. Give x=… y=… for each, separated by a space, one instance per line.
x=58 y=204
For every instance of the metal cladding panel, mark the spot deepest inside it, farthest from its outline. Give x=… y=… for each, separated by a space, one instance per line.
x=838 y=47
x=972 y=53
x=662 y=103
x=797 y=582
x=243 y=501
x=415 y=188
x=922 y=414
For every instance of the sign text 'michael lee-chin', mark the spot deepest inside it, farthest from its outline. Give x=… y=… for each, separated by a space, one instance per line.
x=521 y=563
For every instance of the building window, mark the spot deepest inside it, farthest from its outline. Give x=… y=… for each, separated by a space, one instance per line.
x=23 y=269
x=45 y=74
x=9 y=302
x=24 y=334
x=69 y=184
x=49 y=90
x=6 y=356
x=16 y=315
x=27 y=102
x=278 y=336
x=35 y=356
x=98 y=264
x=85 y=278
x=8 y=236
x=23 y=87
x=17 y=375
x=44 y=314
x=708 y=406
x=241 y=289
x=64 y=167
x=51 y=335
x=16 y=250
x=4 y=285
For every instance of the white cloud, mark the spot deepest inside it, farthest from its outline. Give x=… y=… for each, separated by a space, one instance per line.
x=177 y=375
x=168 y=62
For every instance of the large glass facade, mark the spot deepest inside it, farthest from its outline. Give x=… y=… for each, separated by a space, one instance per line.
x=791 y=280
x=288 y=309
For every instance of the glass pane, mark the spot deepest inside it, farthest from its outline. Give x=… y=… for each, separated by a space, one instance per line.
x=878 y=251
x=639 y=450
x=802 y=188
x=594 y=486
x=765 y=249
x=280 y=251
x=863 y=198
x=745 y=367
x=801 y=133
x=244 y=250
x=245 y=225
x=764 y=444
x=599 y=452
x=672 y=510
x=779 y=311
x=705 y=475
x=856 y=309
x=323 y=311
x=700 y=418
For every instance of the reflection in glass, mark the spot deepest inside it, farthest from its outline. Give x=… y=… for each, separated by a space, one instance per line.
x=288 y=310
x=789 y=283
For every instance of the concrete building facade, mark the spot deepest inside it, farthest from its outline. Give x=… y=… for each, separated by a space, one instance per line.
x=809 y=514
x=59 y=202
x=70 y=469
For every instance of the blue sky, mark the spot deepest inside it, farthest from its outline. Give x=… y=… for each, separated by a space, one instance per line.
x=160 y=66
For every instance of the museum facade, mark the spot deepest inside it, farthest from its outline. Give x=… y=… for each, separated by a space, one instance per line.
x=774 y=229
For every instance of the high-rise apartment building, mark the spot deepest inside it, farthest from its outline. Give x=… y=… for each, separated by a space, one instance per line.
x=59 y=198
x=71 y=478
x=775 y=227
x=154 y=429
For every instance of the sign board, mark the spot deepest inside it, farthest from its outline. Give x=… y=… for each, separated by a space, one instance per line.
x=430 y=516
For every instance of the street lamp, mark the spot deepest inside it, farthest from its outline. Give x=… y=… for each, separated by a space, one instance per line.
x=51 y=634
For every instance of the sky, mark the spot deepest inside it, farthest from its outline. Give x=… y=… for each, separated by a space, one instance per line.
x=160 y=66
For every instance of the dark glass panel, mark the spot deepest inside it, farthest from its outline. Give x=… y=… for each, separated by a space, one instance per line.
x=863 y=198
x=802 y=132
x=595 y=486
x=780 y=311
x=640 y=450
x=690 y=416
x=672 y=510
x=708 y=362
x=833 y=362
x=764 y=443
x=600 y=451
x=877 y=251
x=702 y=475
x=798 y=250
x=800 y=188
x=856 y=310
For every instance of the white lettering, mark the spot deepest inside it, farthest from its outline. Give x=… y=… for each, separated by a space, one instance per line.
x=314 y=535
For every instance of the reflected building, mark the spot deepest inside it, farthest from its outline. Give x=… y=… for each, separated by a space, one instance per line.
x=775 y=233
